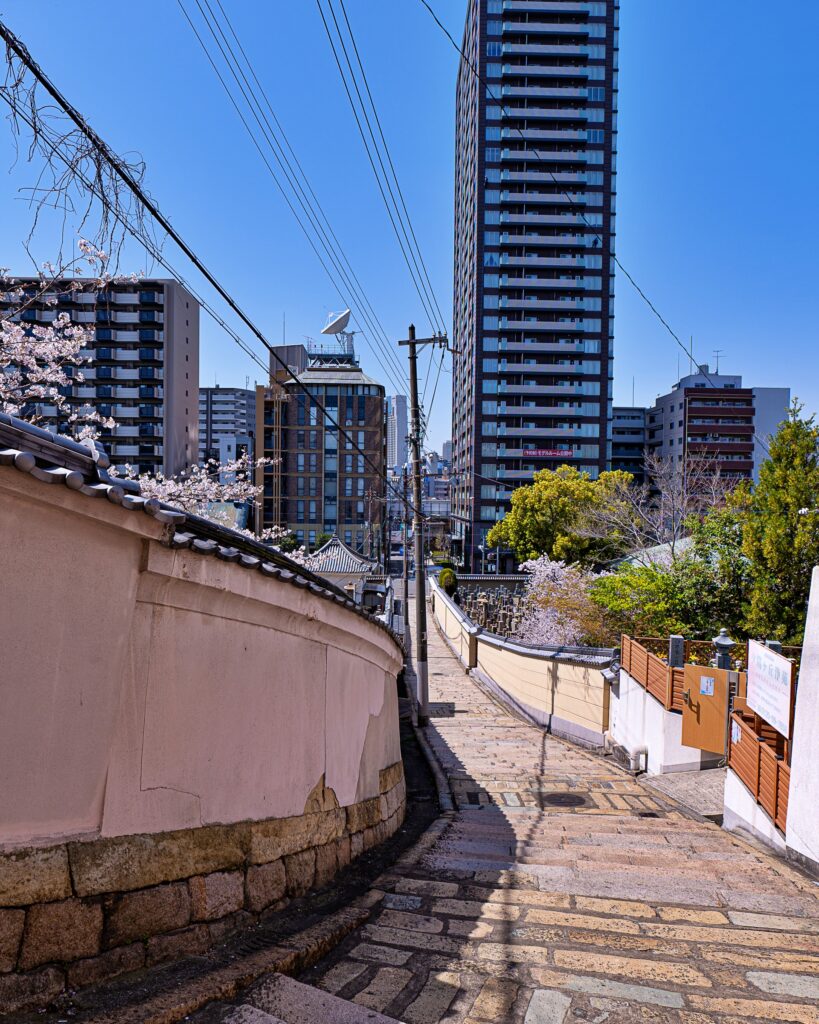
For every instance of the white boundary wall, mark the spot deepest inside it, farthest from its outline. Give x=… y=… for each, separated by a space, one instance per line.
x=558 y=690
x=639 y=721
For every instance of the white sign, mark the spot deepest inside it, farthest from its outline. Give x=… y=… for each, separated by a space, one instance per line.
x=769 y=686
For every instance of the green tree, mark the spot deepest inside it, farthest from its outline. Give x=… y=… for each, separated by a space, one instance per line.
x=640 y=600
x=547 y=516
x=781 y=537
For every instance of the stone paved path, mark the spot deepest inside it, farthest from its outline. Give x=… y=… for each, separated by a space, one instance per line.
x=564 y=891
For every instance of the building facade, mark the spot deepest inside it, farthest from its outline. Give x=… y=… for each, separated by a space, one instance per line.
x=712 y=416
x=534 y=237
x=397 y=430
x=143 y=370
x=628 y=440
x=227 y=423
x=318 y=482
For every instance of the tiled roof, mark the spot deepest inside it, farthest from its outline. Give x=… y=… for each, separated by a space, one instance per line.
x=55 y=459
x=335 y=556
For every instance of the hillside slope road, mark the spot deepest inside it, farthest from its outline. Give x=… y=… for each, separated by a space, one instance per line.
x=563 y=890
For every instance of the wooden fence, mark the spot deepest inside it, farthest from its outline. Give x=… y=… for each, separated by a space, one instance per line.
x=756 y=761
x=652 y=673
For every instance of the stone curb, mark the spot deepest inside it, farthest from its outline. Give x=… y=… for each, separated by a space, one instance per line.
x=291 y=956
x=444 y=791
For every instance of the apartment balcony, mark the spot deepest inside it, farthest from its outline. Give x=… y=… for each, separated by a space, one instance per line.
x=545 y=6
x=541 y=261
x=125 y=450
x=555 y=283
x=544 y=71
x=547 y=113
x=552 y=242
x=545 y=134
x=570 y=305
x=567 y=220
x=551 y=326
x=125 y=430
x=551 y=28
x=551 y=156
x=125 y=412
x=584 y=345
x=551 y=198
x=547 y=389
x=126 y=298
x=544 y=49
x=559 y=92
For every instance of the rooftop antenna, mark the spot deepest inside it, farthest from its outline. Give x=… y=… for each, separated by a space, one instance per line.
x=717 y=353
x=337 y=326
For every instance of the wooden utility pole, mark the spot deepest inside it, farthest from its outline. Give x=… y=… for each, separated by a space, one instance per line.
x=406 y=551
x=422 y=679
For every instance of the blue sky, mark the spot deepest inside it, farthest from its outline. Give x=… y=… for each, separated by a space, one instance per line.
x=718 y=212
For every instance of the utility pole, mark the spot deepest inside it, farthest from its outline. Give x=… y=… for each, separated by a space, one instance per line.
x=417 y=522
x=406 y=550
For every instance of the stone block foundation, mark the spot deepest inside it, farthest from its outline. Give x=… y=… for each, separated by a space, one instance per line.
x=79 y=913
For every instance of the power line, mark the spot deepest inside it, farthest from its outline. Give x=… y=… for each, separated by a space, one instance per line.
x=495 y=98
x=409 y=258
x=302 y=176
x=316 y=227
x=392 y=166
x=22 y=53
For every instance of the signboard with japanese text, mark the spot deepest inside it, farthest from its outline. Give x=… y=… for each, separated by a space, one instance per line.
x=769 y=686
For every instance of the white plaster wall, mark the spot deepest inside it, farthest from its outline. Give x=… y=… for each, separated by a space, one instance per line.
x=638 y=720
x=803 y=798
x=146 y=689
x=742 y=811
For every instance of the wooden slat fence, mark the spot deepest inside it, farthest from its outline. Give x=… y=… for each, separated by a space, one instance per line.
x=764 y=771
x=652 y=673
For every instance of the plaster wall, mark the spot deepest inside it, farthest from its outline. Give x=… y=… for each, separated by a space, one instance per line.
x=147 y=689
x=742 y=811
x=802 y=834
x=569 y=698
x=638 y=720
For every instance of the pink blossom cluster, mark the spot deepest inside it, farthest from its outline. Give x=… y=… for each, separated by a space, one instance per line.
x=556 y=598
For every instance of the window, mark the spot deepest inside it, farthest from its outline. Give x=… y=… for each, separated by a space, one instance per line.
x=105 y=372
x=491 y=238
x=594 y=135
x=492 y=154
x=490 y=302
x=493 y=49
x=493 y=70
x=493 y=27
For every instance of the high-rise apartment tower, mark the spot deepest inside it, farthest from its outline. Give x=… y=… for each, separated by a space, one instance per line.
x=534 y=237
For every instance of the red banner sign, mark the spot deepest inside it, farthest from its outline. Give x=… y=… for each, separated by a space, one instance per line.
x=550 y=453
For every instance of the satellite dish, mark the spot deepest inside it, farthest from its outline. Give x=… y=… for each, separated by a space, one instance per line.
x=337 y=323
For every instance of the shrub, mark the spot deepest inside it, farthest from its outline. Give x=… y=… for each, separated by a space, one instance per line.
x=448 y=581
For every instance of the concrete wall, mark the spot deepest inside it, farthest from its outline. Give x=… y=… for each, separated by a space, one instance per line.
x=153 y=695
x=639 y=721
x=742 y=811
x=802 y=833
x=556 y=691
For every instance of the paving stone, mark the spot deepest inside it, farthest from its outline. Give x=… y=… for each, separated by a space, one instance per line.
x=797 y=985
x=380 y=954
x=547 y=1007
x=607 y=987
x=395 y=902
x=341 y=975
x=799 y=1013
x=385 y=986
x=434 y=999
x=631 y=967
x=776 y=922
x=494 y=1003
x=415 y=922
